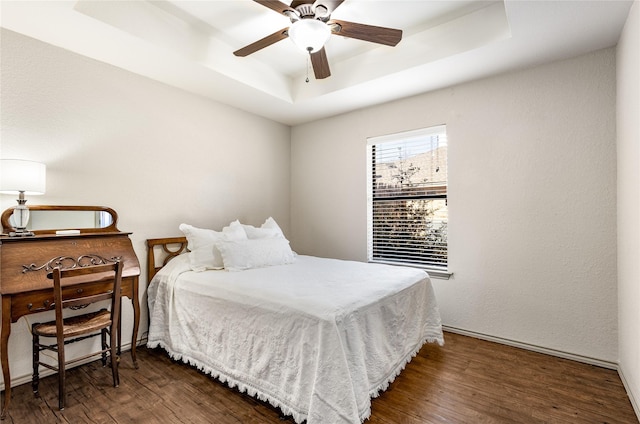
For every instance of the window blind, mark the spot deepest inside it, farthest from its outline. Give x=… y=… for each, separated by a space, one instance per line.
x=407 y=198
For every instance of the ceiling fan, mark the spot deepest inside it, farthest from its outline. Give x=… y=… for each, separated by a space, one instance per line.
x=311 y=26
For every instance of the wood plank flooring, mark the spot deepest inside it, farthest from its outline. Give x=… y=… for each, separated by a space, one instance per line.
x=466 y=381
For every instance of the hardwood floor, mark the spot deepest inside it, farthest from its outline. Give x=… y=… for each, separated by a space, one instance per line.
x=466 y=381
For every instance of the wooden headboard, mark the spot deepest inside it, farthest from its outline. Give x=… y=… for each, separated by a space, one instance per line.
x=169 y=248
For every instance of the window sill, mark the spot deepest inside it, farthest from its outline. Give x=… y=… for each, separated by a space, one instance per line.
x=433 y=273
x=440 y=275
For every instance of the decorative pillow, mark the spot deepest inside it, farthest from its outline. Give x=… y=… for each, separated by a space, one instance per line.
x=238 y=255
x=202 y=242
x=269 y=229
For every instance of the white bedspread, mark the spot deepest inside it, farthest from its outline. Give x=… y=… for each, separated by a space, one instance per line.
x=318 y=338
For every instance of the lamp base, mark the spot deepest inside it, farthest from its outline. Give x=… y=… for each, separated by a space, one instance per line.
x=20 y=218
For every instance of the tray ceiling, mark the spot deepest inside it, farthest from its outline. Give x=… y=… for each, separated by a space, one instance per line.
x=190 y=44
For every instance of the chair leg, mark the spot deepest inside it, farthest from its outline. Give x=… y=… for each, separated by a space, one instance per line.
x=115 y=358
x=35 y=378
x=103 y=336
x=61 y=375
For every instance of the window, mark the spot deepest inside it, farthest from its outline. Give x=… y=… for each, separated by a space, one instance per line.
x=407 y=199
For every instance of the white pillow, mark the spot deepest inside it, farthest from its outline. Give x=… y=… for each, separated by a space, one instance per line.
x=238 y=255
x=269 y=229
x=202 y=242
x=234 y=231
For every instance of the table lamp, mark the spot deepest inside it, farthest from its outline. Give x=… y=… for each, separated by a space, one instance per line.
x=21 y=177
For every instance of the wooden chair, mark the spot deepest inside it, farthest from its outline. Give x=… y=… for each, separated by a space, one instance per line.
x=80 y=327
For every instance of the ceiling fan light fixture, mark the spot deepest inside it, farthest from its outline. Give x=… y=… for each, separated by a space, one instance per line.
x=309 y=34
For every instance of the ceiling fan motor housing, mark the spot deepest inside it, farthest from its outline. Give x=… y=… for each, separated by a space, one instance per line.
x=305 y=11
x=309 y=11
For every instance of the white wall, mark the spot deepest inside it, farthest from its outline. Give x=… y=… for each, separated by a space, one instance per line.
x=628 y=133
x=532 y=200
x=157 y=155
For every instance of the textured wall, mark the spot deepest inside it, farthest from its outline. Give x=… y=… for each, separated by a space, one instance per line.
x=532 y=200
x=157 y=155
x=628 y=70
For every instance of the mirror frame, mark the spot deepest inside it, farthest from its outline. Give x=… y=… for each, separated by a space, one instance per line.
x=7 y=227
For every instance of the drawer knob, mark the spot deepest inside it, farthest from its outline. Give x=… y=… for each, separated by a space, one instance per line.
x=46 y=306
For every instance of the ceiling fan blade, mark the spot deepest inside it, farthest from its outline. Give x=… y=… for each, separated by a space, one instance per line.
x=320 y=64
x=374 y=34
x=262 y=43
x=276 y=6
x=296 y=3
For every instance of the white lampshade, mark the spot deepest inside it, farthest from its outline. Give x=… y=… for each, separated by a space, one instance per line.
x=309 y=34
x=22 y=175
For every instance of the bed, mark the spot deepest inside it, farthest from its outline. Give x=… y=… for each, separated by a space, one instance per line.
x=316 y=337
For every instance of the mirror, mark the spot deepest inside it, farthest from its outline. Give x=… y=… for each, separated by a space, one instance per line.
x=42 y=220
x=45 y=219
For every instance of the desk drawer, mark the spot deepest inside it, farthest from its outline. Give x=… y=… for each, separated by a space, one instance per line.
x=42 y=300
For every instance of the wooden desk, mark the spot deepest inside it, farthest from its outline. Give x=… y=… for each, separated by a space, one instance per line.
x=25 y=289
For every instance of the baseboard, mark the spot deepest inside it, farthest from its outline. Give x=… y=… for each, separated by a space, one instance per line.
x=534 y=348
x=630 y=394
x=26 y=378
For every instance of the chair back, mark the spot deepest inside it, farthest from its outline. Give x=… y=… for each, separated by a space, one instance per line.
x=111 y=274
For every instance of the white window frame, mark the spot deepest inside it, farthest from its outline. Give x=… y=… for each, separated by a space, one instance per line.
x=440 y=130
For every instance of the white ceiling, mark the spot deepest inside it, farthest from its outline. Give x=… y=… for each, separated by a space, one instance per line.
x=190 y=44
